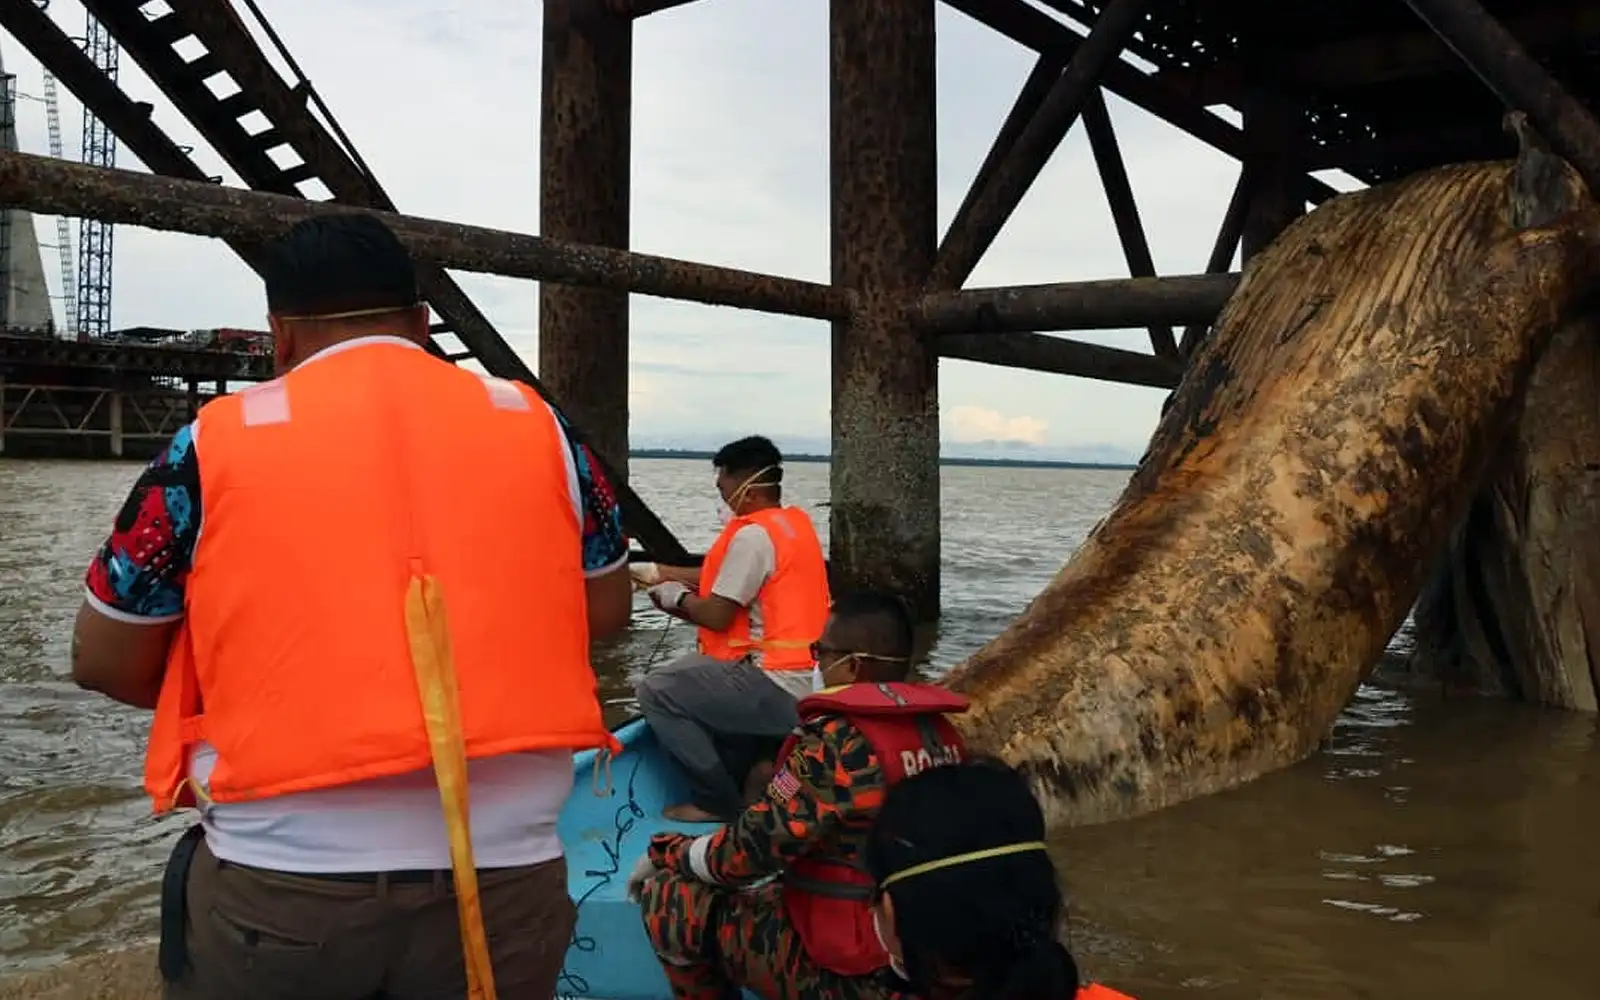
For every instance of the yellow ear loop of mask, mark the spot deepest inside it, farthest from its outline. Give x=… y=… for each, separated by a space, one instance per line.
x=434 y=666
x=961 y=859
x=744 y=487
x=850 y=656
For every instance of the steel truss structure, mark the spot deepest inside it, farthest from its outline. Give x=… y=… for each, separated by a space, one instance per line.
x=1372 y=87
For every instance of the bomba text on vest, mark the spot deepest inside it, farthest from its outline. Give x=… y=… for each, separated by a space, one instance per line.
x=921 y=760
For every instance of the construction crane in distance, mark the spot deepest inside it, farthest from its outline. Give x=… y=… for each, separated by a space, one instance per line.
x=94 y=236
x=69 y=290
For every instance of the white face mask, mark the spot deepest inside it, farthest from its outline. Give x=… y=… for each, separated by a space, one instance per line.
x=724 y=510
x=895 y=965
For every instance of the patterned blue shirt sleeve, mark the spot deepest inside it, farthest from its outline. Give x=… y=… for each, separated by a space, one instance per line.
x=143 y=567
x=605 y=544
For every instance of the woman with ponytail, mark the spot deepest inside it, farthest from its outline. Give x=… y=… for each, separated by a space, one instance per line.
x=967 y=904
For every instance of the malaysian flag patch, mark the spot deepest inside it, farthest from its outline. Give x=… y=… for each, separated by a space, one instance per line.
x=785 y=785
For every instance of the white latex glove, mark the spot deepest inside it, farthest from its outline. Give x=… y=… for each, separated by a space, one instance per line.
x=643 y=870
x=645 y=574
x=667 y=595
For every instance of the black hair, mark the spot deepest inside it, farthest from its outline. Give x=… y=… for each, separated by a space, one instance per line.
x=341 y=262
x=750 y=455
x=993 y=921
x=879 y=623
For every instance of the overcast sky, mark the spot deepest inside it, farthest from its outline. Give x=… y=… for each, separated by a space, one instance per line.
x=730 y=167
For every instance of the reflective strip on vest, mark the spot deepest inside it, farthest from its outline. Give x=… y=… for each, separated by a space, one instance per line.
x=264 y=404
x=505 y=394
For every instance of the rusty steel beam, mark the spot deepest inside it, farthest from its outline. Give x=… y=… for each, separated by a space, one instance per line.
x=60 y=187
x=1111 y=304
x=1378 y=59
x=1229 y=233
x=1040 y=352
x=1033 y=28
x=1022 y=164
x=883 y=164
x=1497 y=58
x=585 y=150
x=1124 y=207
x=1046 y=71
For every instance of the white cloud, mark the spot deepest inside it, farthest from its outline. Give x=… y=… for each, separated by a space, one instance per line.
x=971 y=424
x=730 y=167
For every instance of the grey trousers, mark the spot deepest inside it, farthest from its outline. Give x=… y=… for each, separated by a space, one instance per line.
x=694 y=700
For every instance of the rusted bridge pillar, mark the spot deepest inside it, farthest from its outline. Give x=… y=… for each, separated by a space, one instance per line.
x=885 y=479
x=1277 y=196
x=584 y=152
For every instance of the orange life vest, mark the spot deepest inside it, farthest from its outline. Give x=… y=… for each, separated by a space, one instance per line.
x=325 y=492
x=828 y=899
x=794 y=600
x=1094 y=991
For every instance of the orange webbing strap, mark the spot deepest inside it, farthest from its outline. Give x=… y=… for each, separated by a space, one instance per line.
x=770 y=644
x=435 y=668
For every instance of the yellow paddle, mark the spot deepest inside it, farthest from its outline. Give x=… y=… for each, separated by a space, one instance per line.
x=429 y=632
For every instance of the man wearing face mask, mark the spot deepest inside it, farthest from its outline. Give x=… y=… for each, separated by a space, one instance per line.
x=808 y=935
x=759 y=601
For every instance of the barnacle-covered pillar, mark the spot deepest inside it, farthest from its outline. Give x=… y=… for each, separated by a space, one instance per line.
x=584 y=150
x=885 y=478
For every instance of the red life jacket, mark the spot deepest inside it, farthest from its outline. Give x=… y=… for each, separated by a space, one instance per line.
x=828 y=899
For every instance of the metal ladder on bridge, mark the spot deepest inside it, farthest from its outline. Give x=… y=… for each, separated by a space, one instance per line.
x=221 y=46
x=220 y=49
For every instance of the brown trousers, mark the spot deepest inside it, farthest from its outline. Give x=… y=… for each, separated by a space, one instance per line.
x=259 y=935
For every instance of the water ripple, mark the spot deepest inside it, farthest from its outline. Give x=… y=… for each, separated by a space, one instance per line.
x=1378 y=868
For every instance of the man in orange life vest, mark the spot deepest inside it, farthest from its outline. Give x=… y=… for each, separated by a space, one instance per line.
x=808 y=935
x=274 y=646
x=760 y=601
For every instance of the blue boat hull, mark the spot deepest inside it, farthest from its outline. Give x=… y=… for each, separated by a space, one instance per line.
x=604 y=836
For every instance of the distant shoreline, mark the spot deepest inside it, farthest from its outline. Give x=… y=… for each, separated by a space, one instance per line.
x=987 y=463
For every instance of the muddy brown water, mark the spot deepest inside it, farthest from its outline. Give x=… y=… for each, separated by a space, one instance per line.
x=1433 y=849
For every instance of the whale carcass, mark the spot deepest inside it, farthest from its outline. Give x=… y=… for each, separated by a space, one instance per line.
x=1326 y=439
x=1515 y=606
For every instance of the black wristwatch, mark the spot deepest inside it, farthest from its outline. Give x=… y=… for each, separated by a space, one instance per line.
x=682 y=596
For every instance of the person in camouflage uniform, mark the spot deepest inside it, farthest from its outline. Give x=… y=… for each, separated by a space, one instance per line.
x=711 y=905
